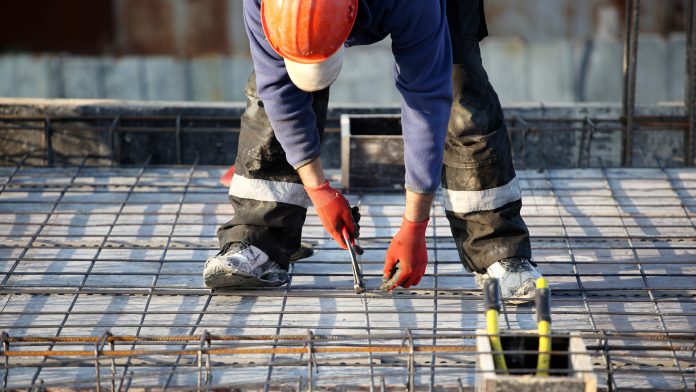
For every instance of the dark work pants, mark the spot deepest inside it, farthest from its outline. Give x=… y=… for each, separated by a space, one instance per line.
x=481 y=192
x=272 y=226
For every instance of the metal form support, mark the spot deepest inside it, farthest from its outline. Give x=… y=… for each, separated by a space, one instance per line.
x=630 y=65
x=690 y=96
x=112 y=140
x=204 y=346
x=98 y=349
x=5 y=340
x=178 y=140
x=311 y=365
x=411 y=367
x=48 y=141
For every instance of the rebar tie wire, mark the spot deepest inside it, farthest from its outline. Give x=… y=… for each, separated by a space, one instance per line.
x=204 y=341
x=98 y=350
x=5 y=338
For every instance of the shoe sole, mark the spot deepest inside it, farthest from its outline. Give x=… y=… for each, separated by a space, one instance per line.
x=216 y=278
x=238 y=282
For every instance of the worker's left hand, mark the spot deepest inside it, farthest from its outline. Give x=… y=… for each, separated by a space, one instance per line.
x=409 y=250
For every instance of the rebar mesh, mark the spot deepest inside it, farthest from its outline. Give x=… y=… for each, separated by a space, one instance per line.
x=115 y=254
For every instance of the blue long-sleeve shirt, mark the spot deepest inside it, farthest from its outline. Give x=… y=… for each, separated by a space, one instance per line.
x=422 y=73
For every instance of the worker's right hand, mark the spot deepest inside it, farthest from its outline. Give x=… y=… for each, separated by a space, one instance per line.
x=408 y=248
x=334 y=212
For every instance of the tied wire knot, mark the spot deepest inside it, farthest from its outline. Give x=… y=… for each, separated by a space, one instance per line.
x=311 y=359
x=5 y=339
x=204 y=346
x=411 y=358
x=99 y=345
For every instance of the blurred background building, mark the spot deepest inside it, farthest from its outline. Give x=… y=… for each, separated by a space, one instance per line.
x=539 y=50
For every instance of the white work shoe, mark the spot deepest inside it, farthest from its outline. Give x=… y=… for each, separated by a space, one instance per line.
x=516 y=279
x=240 y=265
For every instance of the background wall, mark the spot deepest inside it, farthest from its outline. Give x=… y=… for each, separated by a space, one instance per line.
x=540 y=50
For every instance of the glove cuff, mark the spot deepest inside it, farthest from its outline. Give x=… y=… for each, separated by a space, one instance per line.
x=323 y=194
x=317 y=188
x=418 y=227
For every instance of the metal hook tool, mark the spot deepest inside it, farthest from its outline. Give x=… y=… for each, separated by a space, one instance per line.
x=358 y=284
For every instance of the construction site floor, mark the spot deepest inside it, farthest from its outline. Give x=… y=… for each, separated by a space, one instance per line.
x=88 y=250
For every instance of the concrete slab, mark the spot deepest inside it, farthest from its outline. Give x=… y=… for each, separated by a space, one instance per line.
x=552 y=71
x=82 y=77
x=654 y=63
x=367 y=76
x=604 y=80
x=124 y=78
x=165 y=79
x=506 y=62
x=32 y=76
x=207 y=78
x=7 y=88
x=235 y=73
x=676 y=68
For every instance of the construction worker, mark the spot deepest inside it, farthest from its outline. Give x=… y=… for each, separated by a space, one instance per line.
x=454 y=136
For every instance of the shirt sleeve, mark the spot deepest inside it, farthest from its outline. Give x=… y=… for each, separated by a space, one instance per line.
x=289 y=109
x=423 y=74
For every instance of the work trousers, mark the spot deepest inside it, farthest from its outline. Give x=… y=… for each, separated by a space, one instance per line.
x=480 y=190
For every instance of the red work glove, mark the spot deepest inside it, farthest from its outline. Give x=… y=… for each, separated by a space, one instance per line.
x=334 y=211
x=409 y=250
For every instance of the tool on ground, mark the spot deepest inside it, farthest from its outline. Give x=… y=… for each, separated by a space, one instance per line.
x=543 y=309
x=358 y=284
x=491 y=300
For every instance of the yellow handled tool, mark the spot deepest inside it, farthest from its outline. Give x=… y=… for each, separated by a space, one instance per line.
x=492 y=302
x=543 y=308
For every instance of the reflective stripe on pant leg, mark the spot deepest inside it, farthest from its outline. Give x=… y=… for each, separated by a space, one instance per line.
x=265 y=190
x=266 y=193
x=465 y=202
x=480 y=189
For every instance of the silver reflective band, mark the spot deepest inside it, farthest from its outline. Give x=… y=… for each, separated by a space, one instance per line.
x=264 y=190
x=489 y=199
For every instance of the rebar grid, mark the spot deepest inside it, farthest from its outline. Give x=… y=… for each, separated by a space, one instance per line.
x=85 y=251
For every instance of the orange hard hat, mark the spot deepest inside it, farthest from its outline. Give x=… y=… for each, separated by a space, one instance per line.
x=307 y=31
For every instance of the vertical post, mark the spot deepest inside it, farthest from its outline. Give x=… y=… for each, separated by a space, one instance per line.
x=690 y=96
x=178 y=139
x=5 y=341
x=411 y=366
x=630 y=63
x=112 y=139
x=310 y=360
x=48 y=141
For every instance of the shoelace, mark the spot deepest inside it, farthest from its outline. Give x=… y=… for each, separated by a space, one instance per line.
x=228 y=246
x=516 y=265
